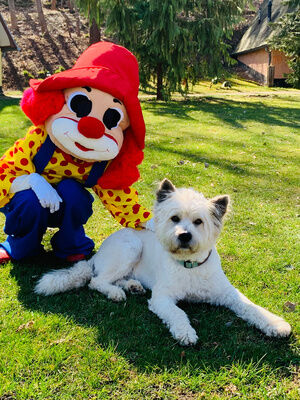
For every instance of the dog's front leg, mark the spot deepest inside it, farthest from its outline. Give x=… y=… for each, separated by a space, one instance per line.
x=176 y=319
x=114 y=261
x=267 y=322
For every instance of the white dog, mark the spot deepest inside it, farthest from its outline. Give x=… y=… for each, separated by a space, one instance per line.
x=177 y=262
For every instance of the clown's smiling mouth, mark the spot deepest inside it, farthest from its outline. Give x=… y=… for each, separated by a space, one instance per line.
x=82 y=148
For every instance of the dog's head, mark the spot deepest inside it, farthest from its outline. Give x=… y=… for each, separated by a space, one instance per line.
x=187 y=223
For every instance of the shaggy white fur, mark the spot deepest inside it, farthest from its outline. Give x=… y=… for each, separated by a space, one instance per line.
x=186 y=228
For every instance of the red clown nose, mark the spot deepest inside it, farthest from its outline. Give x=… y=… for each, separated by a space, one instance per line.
x=91 y=127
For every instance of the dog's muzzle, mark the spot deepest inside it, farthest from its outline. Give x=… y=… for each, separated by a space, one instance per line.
x=185 y=240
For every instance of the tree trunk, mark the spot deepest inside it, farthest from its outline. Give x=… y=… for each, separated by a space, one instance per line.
x=159 y=82
x=41 y=16
x=95 y=34
x=77 y=17
x=13 y=15
x=53 y=4
x=70 y=5
x=1 y=90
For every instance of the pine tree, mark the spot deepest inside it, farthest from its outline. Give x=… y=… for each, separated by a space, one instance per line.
x=41 y=16
x=175 y=40
x=13 y=15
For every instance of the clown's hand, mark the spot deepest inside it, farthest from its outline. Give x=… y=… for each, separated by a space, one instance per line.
x=46 y=194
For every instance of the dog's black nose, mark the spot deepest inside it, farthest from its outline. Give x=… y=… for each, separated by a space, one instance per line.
x=185 y=237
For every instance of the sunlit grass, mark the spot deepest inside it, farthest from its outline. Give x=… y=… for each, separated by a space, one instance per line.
x=79 y=345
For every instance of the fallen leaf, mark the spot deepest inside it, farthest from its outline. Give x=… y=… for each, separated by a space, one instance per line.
x=289 y=267
x=231 y=388
x=58 y=341
x=25 y=326
x=289 y=306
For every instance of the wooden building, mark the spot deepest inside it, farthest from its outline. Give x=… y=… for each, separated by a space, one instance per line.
x=266 y=66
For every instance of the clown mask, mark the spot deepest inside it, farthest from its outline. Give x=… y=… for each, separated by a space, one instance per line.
x=90 y=125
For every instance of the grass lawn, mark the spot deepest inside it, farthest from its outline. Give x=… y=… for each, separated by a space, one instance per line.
x=79 y=345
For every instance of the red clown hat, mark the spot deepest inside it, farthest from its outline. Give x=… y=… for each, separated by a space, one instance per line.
x=114 y=70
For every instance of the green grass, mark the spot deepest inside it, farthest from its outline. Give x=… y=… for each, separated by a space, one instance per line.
x=79 y=345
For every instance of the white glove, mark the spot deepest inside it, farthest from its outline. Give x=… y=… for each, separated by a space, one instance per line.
x=150 y=225
x=47 y=195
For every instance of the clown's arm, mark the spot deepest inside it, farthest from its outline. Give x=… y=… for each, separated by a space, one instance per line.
x=124 y=206
x=17 y=172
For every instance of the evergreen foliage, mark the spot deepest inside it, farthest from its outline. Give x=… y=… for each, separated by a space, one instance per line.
x=176 y=41
x=93 y=10
x=287 y=40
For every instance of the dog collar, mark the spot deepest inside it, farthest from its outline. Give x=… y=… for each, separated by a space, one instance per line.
x=193 y=264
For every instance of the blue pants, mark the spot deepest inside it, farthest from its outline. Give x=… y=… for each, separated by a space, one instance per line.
x=27 y=221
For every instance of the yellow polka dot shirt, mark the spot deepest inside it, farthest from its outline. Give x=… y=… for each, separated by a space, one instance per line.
x=18 y=160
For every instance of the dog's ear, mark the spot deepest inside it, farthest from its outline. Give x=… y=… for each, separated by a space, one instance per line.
x=220 y=204
x=165 y=188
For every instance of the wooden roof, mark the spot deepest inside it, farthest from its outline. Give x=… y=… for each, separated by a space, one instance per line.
x=6 y=40
x=260 y=31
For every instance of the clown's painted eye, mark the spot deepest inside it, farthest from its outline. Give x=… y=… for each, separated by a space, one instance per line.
x=112 y=117
x=80 y=104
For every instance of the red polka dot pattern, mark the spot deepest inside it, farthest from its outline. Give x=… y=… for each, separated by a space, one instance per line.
x=24 y=161
x=136 y=208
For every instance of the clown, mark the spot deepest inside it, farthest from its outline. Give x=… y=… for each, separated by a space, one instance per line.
x=88 y=133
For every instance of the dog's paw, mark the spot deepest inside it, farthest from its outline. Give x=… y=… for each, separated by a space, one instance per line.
x=279 y=328
x=135 y=287
x=116 y=294
x=185 y=336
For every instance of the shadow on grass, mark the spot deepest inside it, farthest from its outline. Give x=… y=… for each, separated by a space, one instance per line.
x=231 y=111
x=140 y=337
x=7 y=101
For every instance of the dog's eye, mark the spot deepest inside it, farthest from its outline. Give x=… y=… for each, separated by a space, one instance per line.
x=198 y=221
x=175 y=218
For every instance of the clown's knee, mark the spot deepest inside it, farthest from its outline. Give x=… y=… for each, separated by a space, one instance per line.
x=76 y=199
x=24 y=213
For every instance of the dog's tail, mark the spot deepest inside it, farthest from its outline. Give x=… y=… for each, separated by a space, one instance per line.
x=61 y=280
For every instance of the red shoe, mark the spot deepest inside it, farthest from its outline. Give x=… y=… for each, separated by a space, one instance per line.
x=75 y=257
x=4 y=256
